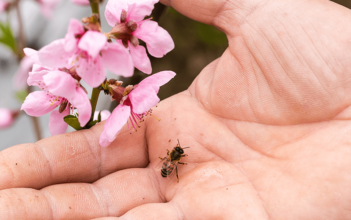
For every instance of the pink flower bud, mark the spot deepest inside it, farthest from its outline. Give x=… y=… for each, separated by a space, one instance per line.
x=6 y=117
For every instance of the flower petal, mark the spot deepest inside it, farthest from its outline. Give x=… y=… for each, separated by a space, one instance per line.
x=140 y=59
x=114 y=124
x=81 y=2
x=33 y=54
x=91 y=70
x=158 y=79
x=157 y=39
x=39 y=103
x=56 y=123
x=113 y=11
x=92 y=42
x=21 y=76
x=140 y=9
x=75 y=27
x=6 y=118
x=143 y=98
x=36 y=76
x=81 y=101
x=116 y=58
x=104 y=115
x=60 y=84
x=54 y=54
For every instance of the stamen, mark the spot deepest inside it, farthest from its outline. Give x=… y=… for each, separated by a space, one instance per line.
x=155 y=117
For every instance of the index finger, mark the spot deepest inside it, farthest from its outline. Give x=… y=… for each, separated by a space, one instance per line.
x=223 y=14
x=70 y=157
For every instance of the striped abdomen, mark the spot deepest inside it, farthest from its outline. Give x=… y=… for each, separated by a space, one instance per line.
x=167 y=168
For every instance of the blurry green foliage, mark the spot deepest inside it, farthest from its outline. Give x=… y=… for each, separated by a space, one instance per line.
x=21 y=95
x=6 y=36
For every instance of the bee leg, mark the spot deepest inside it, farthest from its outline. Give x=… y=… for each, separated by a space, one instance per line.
x=177 y=174
x=167 y=152
x=162 y=158
x=182 y=163
x=184 y=155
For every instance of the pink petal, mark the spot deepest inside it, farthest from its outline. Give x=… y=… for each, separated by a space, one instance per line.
x=104 y=115
x=3 y=5
x=157 y=39
x=54 y=54
x=113 y=11
x=21 y=76
x=158 y=79
x=82 y=103
x=114 y=124
x=56 y=123
x=143 y=98
x=140 y=9
x=33 y=54
x=81 y=2
x=47 y=7
x=140 y=59
x=92 y=42
x=39 y=103
x=36 y=77
x=116 y=58
x=60 y=84
x=6 y=118
x=91 y=70
x=75 y=27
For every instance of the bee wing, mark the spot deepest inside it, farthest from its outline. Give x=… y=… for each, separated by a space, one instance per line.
x=159 y=165
x=168 y=163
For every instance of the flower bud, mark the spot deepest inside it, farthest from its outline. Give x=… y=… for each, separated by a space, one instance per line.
x=7 y=117
x=123 y=16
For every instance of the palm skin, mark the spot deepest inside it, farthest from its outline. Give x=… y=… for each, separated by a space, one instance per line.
x=268 y=125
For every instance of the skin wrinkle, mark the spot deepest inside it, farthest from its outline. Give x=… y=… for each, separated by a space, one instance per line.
x=50 y=202
x=96 y=157
x=261 y=67
x=41 y=149
x=94 y=188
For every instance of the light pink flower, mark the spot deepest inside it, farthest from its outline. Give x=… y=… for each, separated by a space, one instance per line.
x=6 y=118
x=81 y=2
x=127 y=16
x=58 y=88
x=47 y=7
x=134 y=106
x=89 y=52
x=3 y=5
x=20 y=78
x=104 y=115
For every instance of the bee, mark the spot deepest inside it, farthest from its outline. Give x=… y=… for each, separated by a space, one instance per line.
x=172 y=160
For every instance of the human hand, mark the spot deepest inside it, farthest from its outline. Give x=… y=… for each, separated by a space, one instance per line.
x=268 y=125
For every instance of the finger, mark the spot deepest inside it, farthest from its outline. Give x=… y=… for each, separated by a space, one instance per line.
x=113 y=195
x=224 y=14
x=71 y=157
x=152 y=211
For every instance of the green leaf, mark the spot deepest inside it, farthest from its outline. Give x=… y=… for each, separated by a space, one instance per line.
x=99 y=117
x=6 y=36
x=72 y=121
x=90 y=124
x=21 y=95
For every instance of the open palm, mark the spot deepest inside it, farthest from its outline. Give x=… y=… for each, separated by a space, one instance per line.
x=268 y=126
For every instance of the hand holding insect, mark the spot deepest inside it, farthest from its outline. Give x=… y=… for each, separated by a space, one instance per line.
x=268 y=124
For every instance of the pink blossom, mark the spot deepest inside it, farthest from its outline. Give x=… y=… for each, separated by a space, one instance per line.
x=3 y=6
x=104 y=115
x=126 y=16
x=6 y=118
x=47 y=7
x=81 y=2
x=134 y=106
x=89 y=52
x=21 y=76
x=58 y=89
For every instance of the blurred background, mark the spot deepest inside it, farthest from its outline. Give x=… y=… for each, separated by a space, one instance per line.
x=196 y=45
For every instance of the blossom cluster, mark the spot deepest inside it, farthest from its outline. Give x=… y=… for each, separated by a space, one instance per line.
x=85 y=54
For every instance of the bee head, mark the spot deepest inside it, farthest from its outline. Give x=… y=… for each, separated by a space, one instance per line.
x=180 y=150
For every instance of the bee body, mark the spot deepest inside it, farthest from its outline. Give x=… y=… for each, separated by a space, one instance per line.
x=172 y=160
